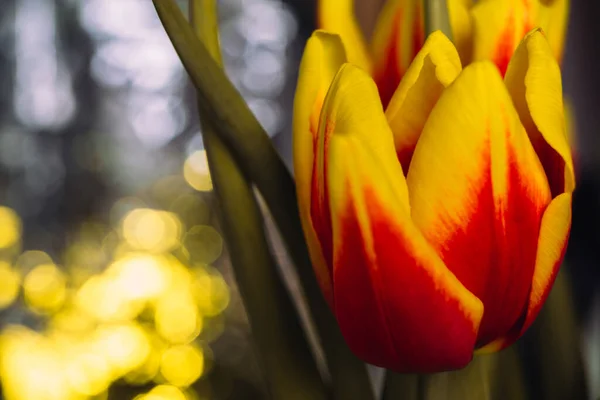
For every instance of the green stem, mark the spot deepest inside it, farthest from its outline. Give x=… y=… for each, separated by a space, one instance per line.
x=402 y=386
x=204 y=21
x=284 y=350
x=552 y=346
x=436 y=17
x=491 y=376
x=253 y=150
x=285 y=354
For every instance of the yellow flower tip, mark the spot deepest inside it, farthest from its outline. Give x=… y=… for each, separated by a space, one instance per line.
x=533 y=79
x=338 y=16
x=350 y=79
x=535 y=31
x=444 y=56
x=323 y=41
x=436 y=34
x=324 y=34
x=484 y=70
x=434 y=67
x=323 y=56
x=438 y=37
x=491 y=347
x=324 y=53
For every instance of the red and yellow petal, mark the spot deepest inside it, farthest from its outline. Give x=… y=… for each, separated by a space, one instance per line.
x=436 y=65
x=554 y=236
x=478 y=192
x=337 y=16
x=534 y=82
x=498 y=27
x=462 y=27
x=398 y=36
x=393 y=294
x=552 y=17
x=323 y=56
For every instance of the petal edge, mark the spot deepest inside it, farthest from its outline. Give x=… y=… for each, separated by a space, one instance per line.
x=375 y=300
x=323 y=56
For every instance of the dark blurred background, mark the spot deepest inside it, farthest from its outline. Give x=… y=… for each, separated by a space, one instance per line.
x=112 y=281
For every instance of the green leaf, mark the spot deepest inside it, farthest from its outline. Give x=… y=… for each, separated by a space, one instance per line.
x=287 y=361
x=286 y=358
x=495 y=376
x=488 y=377
x=235 y=124
x=552 y=349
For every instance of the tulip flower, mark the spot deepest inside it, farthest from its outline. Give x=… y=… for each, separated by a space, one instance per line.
x=481 y=30
x=436 y=225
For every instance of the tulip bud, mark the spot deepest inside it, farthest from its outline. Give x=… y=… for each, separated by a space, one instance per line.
x=436 y=227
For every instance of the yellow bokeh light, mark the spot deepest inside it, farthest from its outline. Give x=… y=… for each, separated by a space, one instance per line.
x=83 y=259
x=151 y=230
x=126 y=307
x=182 y=365
x=214 y=329
x=140 y=276
x=71 y=321
x=166 y=190
x=126 y=346
x=123 y=206
x=45 y=288
x=102 y=298
x=31 y=259
x=89 y=374
x=10 y=228
x=204 y=244
x=78 y=276
x=176 y=317
x=10 y=281
x=31 y=368
x=148 y=370
x=123 y=249
x=192 y=394
x=192 y=209
x=210 y=291
x=165 y=392
x=179 y=273
x=110 y=243
x=196 y=173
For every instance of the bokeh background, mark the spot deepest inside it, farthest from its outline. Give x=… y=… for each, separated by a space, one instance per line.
x=114 y=280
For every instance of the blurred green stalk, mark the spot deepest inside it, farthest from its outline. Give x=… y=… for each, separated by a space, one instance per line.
x=239 y=130
x=286 y=358
x=496 y=376
x=436 y=17
x=551 y=348
x=402 y=386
